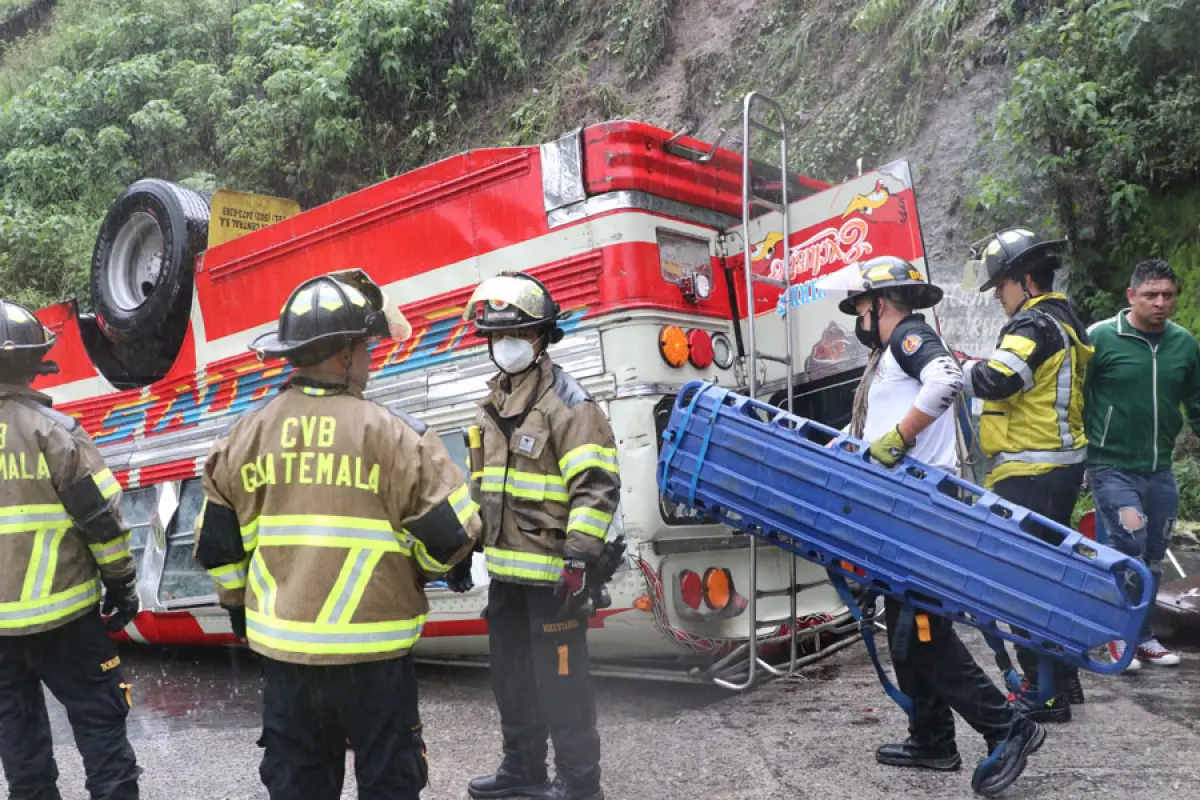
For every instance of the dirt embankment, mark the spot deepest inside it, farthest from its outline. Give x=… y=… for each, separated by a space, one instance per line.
x=25 y=18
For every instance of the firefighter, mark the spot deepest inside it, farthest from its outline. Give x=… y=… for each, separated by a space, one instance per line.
x=548 y=487
x=334 y=511
x=905 y=405
x=1031 y=429
x=63 y=540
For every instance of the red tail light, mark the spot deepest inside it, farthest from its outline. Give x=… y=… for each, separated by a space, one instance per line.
x=700 y=349
x=691 y=588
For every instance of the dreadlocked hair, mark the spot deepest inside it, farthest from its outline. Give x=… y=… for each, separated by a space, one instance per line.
x=858 y=414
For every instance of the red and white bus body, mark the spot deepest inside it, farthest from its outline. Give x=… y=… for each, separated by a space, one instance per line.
x=623 y=222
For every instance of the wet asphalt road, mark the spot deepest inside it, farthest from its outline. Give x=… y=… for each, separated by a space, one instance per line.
x=196 y=720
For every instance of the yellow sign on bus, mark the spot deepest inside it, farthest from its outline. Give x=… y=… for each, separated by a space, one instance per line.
x=235 y=214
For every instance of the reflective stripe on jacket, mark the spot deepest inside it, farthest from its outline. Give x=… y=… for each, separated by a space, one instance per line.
x=551 y=486
x=315 y=503
x=52 y=475
x=1033 y=387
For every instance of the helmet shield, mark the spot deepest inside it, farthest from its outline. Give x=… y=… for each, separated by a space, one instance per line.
x=398 y=325
x=508 y=301
x=513 y=301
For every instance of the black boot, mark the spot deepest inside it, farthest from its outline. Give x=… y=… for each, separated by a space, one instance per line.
x=574 y=789
x=1006 y=759
x=1056 y=709
x=506 y=783
x=1073 y=690
x=911 y=754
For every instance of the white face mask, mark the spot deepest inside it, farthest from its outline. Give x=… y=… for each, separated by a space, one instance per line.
x=512 y=355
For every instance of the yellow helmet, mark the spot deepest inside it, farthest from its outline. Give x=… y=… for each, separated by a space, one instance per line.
x=513 y=301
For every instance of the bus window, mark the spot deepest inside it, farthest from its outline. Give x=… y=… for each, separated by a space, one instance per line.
x=183 y=578
x=137 y=508
x=829 y=402
x=455 y=442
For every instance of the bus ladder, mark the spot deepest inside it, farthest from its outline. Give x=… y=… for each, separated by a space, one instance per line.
x=755 y=357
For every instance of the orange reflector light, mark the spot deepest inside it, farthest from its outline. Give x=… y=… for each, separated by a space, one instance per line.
x=718 y=588
x=644 y=603
x=673 y=345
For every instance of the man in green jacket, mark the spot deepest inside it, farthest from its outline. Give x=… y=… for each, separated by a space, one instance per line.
x=1144 y=375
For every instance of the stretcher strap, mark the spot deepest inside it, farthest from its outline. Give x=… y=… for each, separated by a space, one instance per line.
x=984 y=767
x=679 y=433
x=868 y=637
x=1012 y=679
x=712 y=424
x=1046 y=686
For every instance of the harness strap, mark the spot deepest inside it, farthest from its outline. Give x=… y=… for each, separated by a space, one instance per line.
x=868 y=637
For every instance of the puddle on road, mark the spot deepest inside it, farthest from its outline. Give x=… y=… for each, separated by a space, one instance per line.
x=180 y=689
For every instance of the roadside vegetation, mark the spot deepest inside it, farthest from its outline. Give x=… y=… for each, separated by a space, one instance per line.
x=1099 y=139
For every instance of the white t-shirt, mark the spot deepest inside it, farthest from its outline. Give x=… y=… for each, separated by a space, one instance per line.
x=916 y=369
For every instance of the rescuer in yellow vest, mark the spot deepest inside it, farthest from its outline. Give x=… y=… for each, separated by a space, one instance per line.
x=335 y=511
x=63 y=538
x=1032 y=425
x=548 y=487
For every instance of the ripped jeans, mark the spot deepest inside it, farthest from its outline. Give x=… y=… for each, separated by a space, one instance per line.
x=1135 y=513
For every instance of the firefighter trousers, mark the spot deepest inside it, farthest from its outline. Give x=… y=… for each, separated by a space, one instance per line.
x=78 y=663
x=1053 y=495
x=310 y=713
x=940 y=676
x=541 y=675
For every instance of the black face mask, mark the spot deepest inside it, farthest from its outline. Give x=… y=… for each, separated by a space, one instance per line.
x=869 y=338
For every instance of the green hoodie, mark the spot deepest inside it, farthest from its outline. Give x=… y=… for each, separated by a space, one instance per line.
x=1134 y=393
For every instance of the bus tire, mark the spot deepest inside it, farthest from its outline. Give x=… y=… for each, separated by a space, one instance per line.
x=144 y=258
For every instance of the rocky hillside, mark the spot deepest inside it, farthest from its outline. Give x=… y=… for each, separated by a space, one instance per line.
x=1075 y=116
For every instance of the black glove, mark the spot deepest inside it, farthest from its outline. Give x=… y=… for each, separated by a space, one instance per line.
x=459 y=577
x=572 y=589
x=237 y=619
x=120 y=603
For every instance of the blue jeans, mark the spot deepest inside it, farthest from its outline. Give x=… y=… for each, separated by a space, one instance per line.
x=1135 y=513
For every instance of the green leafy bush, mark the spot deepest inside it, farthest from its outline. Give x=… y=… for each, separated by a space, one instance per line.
x=304 y=99
x=1103 y=121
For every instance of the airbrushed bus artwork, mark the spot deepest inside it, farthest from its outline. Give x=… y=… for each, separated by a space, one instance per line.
x=641 y=233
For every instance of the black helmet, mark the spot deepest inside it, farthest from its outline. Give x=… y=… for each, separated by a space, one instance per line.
x=891 y=274
x=24 y=341
x=1013 y=252
x=514 y=301
x=322 y=316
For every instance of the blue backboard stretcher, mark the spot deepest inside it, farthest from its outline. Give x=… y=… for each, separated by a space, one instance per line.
x=914 y=532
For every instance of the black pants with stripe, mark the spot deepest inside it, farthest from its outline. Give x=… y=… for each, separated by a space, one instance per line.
x=542 y=681
x=78 y=663
x=940 y=676
x=1053 y=495
x=310 y=713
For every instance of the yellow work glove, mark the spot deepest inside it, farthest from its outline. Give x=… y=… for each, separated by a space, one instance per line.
x=890 y=448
